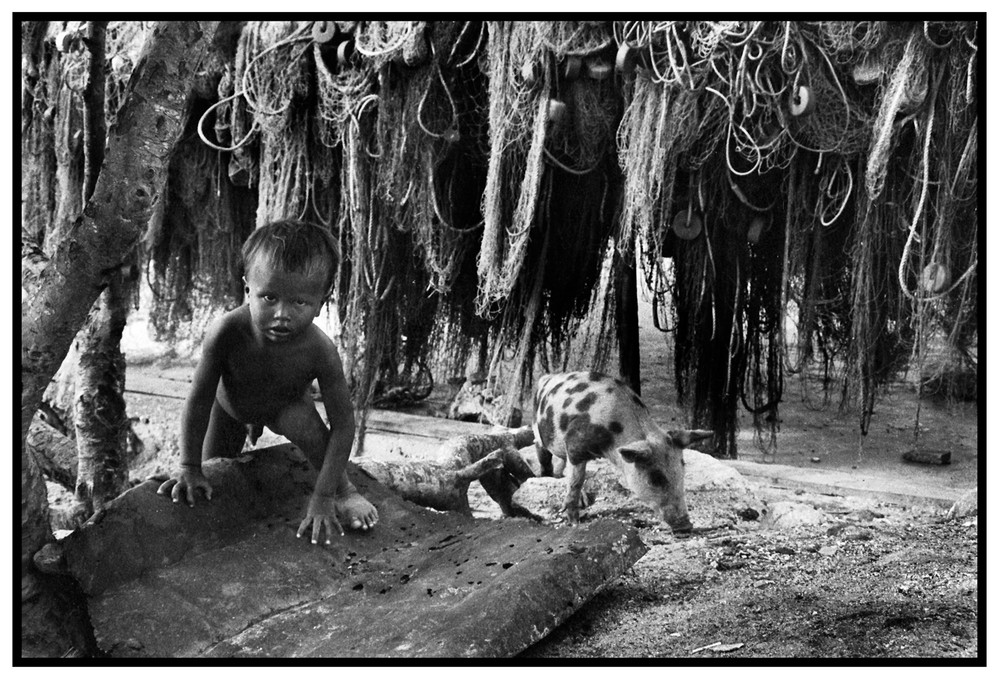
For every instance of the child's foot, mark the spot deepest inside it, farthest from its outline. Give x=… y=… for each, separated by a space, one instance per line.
x=356 y=511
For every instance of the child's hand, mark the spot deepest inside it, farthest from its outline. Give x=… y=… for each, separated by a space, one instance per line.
x=322 y=512
x=185 y=483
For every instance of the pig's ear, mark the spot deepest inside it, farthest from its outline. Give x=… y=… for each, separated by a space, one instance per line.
x=684 y=438
x=635 y=451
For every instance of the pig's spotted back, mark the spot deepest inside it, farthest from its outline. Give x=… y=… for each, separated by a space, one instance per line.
x=581 y=415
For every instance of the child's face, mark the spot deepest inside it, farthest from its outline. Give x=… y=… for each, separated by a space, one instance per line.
x=283 y=304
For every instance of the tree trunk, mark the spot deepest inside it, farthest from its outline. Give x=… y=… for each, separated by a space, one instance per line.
x=99 y=414
x=95 y=129
x=138 y=149
x=443 y=482
x=54 y=452
x=40 y=73
x=99 y=406
x=68 y=143
x=431 y=484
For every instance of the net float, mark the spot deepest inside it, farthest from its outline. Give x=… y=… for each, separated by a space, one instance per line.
x=64 y=41
x=626 y=59
x=756 y=229
x=598 y=70
x=802 y=101
x=571 y=70
x=530 y=72
x=345 y=51
x=324 y=31
x=686 y=224
x=557 y=111
x=935 y=278
x=867 y=72
x=451 y=135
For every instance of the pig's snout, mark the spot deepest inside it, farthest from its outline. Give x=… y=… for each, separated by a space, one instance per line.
x=682 y=526
x=679 y=521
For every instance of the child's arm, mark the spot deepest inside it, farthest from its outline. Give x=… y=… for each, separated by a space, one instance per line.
x=332 y=481
x=195 y=419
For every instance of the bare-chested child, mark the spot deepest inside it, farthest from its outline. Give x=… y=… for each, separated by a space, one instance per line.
x=257 y=365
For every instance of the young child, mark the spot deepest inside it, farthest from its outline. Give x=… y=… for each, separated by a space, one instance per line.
x=258 y=362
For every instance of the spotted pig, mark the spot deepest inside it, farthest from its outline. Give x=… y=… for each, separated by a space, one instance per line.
x=581 y=416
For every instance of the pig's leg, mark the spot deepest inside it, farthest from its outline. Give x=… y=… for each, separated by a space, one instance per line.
x=544 y=457
x=574 y=491
x=559 y=467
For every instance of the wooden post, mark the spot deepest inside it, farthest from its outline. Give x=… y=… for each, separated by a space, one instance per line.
x=627 y=321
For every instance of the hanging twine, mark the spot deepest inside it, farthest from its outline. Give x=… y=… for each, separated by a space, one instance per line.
x=515 y=165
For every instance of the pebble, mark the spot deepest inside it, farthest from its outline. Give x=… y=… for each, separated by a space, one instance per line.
x=722 y=565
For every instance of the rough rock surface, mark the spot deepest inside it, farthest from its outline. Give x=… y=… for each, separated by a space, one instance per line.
x=229 y=578
x=966 y=505
x=788 y=514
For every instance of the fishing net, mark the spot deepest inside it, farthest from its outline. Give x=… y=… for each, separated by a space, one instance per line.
x=489 y=181
x=518 y=116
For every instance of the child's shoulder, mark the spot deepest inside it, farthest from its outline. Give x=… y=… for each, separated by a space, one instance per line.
x=318 y=340
x=230 y=325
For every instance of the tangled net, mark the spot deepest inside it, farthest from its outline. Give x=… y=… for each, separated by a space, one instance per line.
x=487 y=198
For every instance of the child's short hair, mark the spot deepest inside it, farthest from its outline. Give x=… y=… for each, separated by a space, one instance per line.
x=293 y=246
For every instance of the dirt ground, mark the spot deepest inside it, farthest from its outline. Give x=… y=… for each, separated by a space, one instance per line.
x=862 y=577
x=867 y=579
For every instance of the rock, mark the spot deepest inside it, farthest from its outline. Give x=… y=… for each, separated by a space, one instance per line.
x=726 y=564
x=51 y=560
x=934 y=457
x=749 y=514
x=703 y=471
x=530 y=457
x=787 y=514
x=542 y=496
x=230 y=579
x=836 y=529
x=828 y=551
x=967 y=504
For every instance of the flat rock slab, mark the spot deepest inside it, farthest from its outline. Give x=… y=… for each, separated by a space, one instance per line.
x=228 y=578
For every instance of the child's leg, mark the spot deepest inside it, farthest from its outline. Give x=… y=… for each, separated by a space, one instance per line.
x=304 y=427
x=225 y=435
